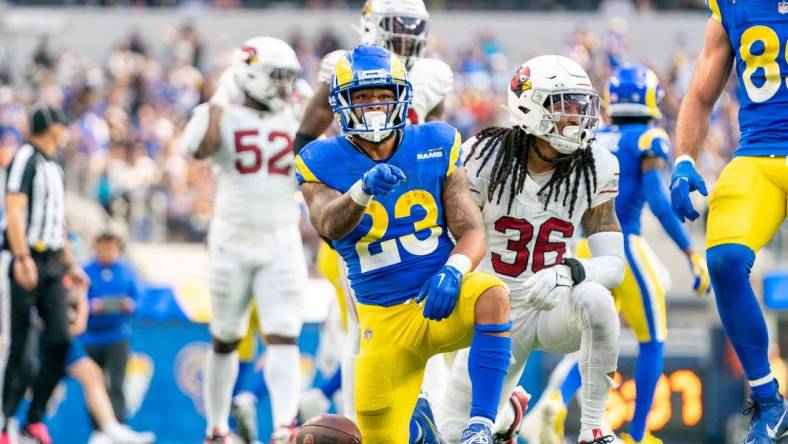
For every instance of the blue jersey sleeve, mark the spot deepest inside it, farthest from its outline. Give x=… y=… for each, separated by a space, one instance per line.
x=654 y=142
x=311 y=162
x=714 y=10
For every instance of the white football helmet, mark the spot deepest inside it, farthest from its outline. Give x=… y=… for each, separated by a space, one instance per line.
x=401 y=26
x=548 y=89
x=266 y=69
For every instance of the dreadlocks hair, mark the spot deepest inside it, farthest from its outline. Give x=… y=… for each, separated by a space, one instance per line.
x=510 y=165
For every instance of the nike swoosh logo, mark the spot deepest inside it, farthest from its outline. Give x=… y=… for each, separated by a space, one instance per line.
x=440 y=281
x=772 y=432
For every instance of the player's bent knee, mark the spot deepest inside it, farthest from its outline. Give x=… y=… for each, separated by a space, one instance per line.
x=597 y=303
x=374 y=385
x=224 y=347
x=492 y=307
x=728 y=259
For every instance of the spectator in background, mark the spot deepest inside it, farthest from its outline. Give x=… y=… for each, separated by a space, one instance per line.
x=112 y=297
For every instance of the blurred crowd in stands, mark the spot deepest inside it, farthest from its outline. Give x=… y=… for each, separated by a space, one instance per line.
x=127 y=112
x=531 y=5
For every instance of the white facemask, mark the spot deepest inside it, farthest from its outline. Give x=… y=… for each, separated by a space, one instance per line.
x=375 y=120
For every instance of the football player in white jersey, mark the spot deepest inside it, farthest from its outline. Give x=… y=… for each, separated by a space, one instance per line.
x=254 y=242
x=402 y=27
x=538 y=183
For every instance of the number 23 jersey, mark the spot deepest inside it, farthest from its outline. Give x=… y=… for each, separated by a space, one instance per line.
x=402 y=238
x=758 y=34
x=528 y=238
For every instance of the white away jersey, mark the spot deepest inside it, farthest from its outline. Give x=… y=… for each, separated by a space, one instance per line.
x=254 y=170
x=432 y=81
x=529 y=238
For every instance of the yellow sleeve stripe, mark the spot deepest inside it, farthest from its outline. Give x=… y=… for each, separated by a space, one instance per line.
x=455 y=153
x=715 y=10
x=646 y=139
x=304 y=170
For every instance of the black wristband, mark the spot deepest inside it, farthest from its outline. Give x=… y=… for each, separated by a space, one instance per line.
x=301 y=140
x=577 y=269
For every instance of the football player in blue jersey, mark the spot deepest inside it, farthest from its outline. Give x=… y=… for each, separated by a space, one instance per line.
x=748 y=203
x=642 y=149
x=388 y=196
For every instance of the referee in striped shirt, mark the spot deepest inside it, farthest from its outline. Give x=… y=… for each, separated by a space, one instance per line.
x=35 y=235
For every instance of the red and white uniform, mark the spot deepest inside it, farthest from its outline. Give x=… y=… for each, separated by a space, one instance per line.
x=254 y=241
x=522 y=241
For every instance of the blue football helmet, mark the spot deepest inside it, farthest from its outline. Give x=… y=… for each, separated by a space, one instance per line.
x=366 y=67
x=634 y=91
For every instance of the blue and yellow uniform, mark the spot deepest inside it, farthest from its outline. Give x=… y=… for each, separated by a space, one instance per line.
x=748 y=203
x=401 y=242
x=641 y=296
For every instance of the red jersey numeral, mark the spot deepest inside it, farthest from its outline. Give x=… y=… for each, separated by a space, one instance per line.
x=519 y=246
x=251 y=165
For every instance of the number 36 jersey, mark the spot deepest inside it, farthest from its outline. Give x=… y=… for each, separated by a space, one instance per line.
x=758 y=34
x=402 y=238
x=529 y=238
x=256 y=187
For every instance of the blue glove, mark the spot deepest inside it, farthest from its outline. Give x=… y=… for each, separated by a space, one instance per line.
x=441 y=291
x=381 y=179
x=685 y=180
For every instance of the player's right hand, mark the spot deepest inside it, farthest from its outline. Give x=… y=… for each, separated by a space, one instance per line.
x=381 y=179
x=685 y=180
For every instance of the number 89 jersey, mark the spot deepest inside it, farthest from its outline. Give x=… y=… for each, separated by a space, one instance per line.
x=256 y=187
x=529 y=238
x=402 y=238
x=758 y=33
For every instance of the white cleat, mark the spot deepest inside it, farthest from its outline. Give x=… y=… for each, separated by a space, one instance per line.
x=123 y=434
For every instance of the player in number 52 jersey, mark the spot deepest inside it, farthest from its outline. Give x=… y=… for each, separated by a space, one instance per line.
x=748 y=203
x=254 y=242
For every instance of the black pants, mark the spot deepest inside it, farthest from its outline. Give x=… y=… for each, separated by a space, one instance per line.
x=112 y=358
x=51 y=300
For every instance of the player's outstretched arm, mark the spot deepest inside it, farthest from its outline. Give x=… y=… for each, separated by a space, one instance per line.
x=712 y=70
x=606 y=266
x=463 y=217
x=317 y=118
x=210 y=142
x=333 y=214
x=653 y=187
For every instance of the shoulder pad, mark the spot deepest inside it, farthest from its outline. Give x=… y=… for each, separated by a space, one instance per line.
x=327 y=65
x=654 y=142
x=606 y=163
x=313 y=162
x=434 y=74
x=441 y=132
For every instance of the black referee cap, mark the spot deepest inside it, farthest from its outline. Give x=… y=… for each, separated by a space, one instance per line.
x=43 y=116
